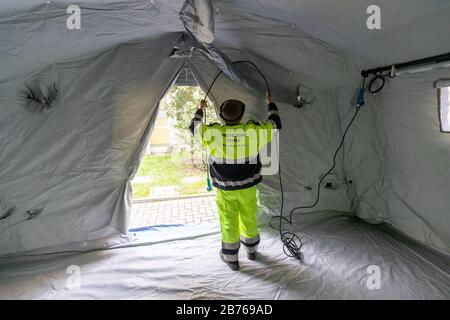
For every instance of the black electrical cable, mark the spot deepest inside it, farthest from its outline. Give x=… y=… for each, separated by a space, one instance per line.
x=236 y=62
x=291 y=242
x=221 y=71
x=378 y=77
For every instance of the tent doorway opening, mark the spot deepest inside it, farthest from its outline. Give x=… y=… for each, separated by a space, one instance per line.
x=170 y=185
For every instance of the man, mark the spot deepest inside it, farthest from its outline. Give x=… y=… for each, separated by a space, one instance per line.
x=235 y=170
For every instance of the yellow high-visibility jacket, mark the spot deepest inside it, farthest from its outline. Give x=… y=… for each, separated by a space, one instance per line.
x=234 y=150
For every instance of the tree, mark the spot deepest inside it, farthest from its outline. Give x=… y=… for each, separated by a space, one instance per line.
x=180 y=103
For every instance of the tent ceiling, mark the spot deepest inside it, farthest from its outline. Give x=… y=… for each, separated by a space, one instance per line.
x=405 y=26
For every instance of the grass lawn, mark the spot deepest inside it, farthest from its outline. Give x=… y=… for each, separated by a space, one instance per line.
x=169 y=170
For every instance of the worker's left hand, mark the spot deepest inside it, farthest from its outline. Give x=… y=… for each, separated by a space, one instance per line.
x=203 y=104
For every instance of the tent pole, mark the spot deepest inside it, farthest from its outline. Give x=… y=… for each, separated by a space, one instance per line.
x=442 y=60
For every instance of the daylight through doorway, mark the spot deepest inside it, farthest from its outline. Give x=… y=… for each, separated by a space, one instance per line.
x=170 y=185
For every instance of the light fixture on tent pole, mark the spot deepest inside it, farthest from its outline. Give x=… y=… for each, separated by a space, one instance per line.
x=424 y=68
x=415 y=66
x=405 y=68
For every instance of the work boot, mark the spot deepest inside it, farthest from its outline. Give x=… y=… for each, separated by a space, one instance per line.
x=234 y=265
x=251 y=256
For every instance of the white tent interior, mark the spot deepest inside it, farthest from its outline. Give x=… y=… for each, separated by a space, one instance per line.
x=65 y=170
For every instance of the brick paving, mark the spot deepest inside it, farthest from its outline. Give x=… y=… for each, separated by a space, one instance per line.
x=194 y=210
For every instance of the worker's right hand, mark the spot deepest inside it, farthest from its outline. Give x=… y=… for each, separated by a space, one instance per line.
x=269 y=98
x=203 y=104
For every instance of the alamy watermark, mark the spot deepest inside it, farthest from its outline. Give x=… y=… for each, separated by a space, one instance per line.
x=373 y=22
x=74 y=279
x=73 y=21
x=374 y=280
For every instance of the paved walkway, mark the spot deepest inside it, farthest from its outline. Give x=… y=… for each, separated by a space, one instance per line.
x=195 y=210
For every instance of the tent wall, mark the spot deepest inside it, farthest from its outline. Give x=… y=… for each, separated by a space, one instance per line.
x=363 y=163
x=75 y=160
x=414 y=181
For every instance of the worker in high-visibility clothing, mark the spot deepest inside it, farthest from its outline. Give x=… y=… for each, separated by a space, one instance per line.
x=235 y=170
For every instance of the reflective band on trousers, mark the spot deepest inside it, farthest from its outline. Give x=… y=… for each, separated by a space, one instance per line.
x=237 y=183
x=230 y=251
x=250 y=244
x=230 y=257
x=230 y=246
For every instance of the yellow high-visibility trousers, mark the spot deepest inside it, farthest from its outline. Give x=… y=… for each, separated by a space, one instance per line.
x=237 y=215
